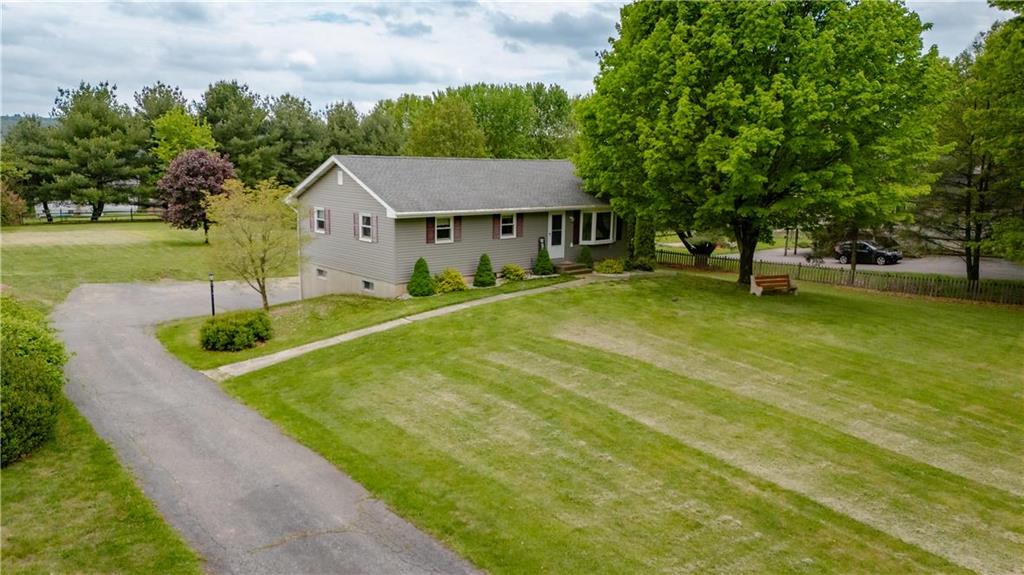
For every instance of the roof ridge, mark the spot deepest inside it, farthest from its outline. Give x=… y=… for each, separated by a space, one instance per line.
x=454 y=158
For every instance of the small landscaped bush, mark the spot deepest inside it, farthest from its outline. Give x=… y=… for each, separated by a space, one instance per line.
x=513 y=273
x=644 y=263
x=484 y=273
x=450 y=280
x=421 y=283
x=30 y=381
x=585 y=258
x=543 y=267
x=609 y=266
x=235 y=332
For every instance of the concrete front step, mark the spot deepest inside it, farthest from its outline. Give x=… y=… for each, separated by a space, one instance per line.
x=571 y=268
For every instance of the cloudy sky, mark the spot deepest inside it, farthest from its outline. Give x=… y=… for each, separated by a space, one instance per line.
x=328 y=52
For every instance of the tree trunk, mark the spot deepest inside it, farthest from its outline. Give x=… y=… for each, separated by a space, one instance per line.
x=855 y=233
x=206 y=232
x=796 y=239
x=46 y=210
x=746 y=237
x=785 y=250
x=263 y=295
x=97 y=210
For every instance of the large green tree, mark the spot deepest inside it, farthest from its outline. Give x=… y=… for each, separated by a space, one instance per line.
x=28 y=153
x=239 y=121
x=554 y=131
x=152 y=102
x=344 y=133
x=298 y=137
x=177 y=131
x=448 y=129
x=506 y=113
x=748 y=115
x=96 y=153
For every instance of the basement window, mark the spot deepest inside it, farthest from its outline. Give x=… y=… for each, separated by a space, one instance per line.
x=321 y=273
x=367 y=285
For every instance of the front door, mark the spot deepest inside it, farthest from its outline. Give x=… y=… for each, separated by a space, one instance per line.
x=556 y=235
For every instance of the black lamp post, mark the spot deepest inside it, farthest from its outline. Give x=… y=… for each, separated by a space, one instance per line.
x=213 y=309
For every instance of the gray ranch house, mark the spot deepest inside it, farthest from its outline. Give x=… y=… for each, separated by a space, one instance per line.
x=369 y=218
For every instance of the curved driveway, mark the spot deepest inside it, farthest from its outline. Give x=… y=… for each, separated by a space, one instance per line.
x=246 y=497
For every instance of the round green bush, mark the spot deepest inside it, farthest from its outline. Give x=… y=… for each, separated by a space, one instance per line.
x=585 y=258
x=543 y=266
x=484 y=276
x=421 y=283
x=450 y=280
x=609 y=266
x=642 y=263
x=31 y=380
x=513 y=273
x=236 y=331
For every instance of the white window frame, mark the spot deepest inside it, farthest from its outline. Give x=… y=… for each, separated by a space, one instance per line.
x=363 y=227
x=593 y=228
x=450 y=226
x=501 y=226
x=319 y=217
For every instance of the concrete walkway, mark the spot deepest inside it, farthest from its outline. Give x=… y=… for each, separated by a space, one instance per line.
x=246 y=497
x=235 y=369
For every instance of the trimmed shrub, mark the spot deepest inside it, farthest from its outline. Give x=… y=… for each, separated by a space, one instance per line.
x=421 y=283
x=585 y=257
x=609 y=266
x=235 y=332
x=30 y=382
x=450 y=280
x=484 y=274
x=543 y=267
x=642 y=263
x=513 y=273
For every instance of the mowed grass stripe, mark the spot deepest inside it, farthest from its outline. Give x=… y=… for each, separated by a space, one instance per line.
x=477 y=428
x=923 y=506
x=591 y=490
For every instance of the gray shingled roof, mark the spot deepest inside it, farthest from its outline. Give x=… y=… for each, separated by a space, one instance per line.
x=429 y=185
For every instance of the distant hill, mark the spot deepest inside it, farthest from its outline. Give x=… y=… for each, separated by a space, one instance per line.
x=7 y=122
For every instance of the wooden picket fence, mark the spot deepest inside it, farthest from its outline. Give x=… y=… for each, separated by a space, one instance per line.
x=996 y=291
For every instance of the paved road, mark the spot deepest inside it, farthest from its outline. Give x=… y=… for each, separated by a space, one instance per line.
x=247 y=498
x=991 y=268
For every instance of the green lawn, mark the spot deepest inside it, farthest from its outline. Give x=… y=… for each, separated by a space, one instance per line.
x=315 y=319
x=70 y=508
x=778 y=240
x=42 y=263
x=677 y=424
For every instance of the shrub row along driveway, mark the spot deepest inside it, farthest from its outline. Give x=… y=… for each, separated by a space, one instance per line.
x=249 y=499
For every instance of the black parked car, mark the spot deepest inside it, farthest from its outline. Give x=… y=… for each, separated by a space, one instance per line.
x=867 y=253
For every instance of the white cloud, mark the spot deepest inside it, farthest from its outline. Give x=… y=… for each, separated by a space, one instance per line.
x=332 y=51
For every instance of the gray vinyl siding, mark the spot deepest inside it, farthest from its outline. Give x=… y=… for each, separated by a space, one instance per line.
x=341 y=249
x=477 y=238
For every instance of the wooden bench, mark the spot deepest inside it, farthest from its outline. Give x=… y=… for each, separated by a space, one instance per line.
x=770 y=284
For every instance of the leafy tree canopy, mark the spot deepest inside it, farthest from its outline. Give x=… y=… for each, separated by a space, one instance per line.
x=447 y=128
x=344 y=134
x=152 y=102
x=746 y=115
x=239 y=122
x=177 y=131
x=190 y=179
x=298 y=137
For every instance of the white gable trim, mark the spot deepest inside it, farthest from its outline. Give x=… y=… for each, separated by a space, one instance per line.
x=321 y=170
x=507 y=210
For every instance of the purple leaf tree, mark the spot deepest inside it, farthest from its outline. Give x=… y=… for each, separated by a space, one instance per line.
x=190 y=178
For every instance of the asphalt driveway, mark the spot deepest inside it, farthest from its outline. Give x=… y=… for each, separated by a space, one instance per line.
x=246 y=497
